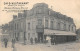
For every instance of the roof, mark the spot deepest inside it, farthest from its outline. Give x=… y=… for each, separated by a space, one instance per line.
x=57 y=32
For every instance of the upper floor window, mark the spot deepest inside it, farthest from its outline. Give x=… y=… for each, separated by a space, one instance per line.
x=58 y=26
x=15 y=26
x=64 y=26
x=72 y=28
x=46 y=24
x=21 y=25
x=28 y=26
x=69 y=28
x=33 y=25
x=39 y=11
x=39 y=21
x=51 y=25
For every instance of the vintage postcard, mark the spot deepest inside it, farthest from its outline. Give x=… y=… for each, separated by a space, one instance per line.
x=39 y=25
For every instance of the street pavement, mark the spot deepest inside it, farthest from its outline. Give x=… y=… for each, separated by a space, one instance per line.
x=72 y=46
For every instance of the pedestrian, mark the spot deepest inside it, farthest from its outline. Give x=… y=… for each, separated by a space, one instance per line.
x=13 y=43
x=49 y=41
x=31 y=40
x=54 y=41
x=5 y=42
x=48 y=38
x=35 y=40
x=25 y=39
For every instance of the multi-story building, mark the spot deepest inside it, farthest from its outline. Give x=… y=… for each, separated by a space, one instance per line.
x=5 y=32
x=40 y=22
x=78 y=35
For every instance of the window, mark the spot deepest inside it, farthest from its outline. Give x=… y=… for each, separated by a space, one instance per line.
x=51 y=26
x=39 y=11
x=39 y=21
x=28 y=26
x=15 y=26
x=46 y=23
x=21 y=25
x=64 y=26
x=33 y=25
x=33 y=34
x=58 y=26
x=49 y=12
x=72 y=28
x=69 y=27
x=15 y=35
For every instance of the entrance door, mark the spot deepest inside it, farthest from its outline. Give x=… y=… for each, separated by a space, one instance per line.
x=40 y=37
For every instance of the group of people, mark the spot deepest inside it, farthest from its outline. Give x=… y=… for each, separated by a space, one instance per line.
x=5 y=41
x=31 y=40
x=50 y=41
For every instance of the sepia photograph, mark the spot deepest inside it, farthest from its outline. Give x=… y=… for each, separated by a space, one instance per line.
x=39 y=25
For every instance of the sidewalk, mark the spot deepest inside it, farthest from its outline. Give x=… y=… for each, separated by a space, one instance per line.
x=42 y=47
x=2 y=48
x=72 y=46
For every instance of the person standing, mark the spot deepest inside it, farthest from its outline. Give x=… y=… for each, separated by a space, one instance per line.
x=48 y=38
x=31 y=40
x=5 y=42
x=13 y=43
x=51 y=41
x=35 y=40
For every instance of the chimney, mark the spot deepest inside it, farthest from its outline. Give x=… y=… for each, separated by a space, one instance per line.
x=14 y=16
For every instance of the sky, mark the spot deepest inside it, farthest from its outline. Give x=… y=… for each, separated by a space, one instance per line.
x=70 y=8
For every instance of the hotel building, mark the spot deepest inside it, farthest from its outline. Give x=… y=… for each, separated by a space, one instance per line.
x=40 y=22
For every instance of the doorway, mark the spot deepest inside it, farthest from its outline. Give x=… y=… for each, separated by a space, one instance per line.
x=40 y=37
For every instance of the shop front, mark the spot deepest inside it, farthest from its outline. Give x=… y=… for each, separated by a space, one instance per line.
x=59 y=36
x=40 y=32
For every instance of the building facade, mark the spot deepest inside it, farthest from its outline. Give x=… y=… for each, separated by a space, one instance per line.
x=40 y=22
x=78 y=35
x=5 y=32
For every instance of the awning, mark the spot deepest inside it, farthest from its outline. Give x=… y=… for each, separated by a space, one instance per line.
x=57 y=32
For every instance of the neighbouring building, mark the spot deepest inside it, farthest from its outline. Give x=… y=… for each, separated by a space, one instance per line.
x=5 y=31
x=78 y=34
x=40 y=22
